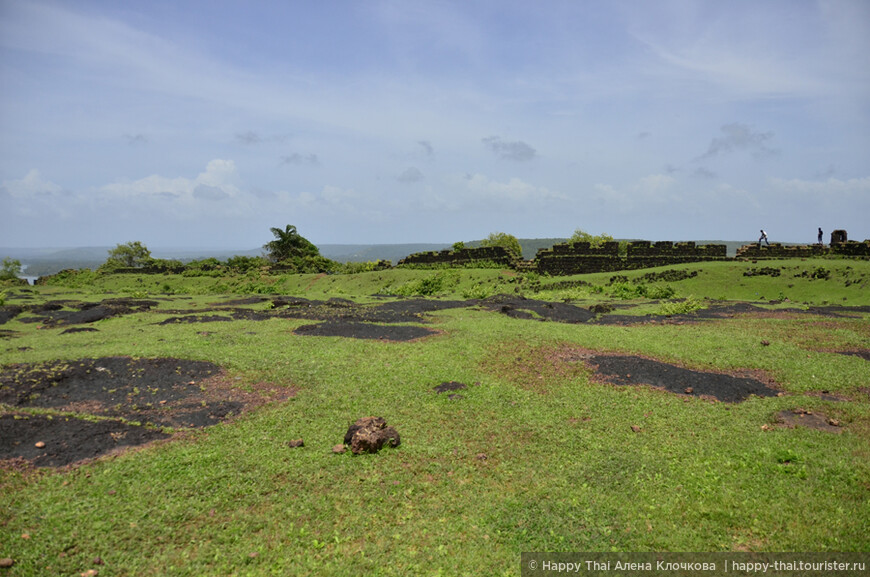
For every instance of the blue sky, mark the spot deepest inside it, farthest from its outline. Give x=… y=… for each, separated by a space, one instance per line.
x=187 y=123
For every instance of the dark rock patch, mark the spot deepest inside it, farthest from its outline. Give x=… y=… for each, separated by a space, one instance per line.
x=54 y=313
x=172 y=393
x=630 y=370
x=79 y=330
x=110 y=386
x=358 y=330
x=250 y=315
x=519 y=307
x=864 y=354
x=670 y=275
x=195 y=319
x=51 y=306
x=9 y=312
x=245 y=301
x=66 y=439
x=450 y=386
x=763 y=271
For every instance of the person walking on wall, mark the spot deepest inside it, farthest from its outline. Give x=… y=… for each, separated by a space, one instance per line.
x=763 y=237
x=820 y=236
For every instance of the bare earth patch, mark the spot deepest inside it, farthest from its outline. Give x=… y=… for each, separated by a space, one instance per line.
x=809 y=419
x=98 y=405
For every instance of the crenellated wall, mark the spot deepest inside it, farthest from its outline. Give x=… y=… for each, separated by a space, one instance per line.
x=580 y=258
x=465 y=257
x=776 y=251
x=644 y=254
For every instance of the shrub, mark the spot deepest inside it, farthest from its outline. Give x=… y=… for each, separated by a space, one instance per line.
x=130 y=255
x=564 y=295
x=359 y=267
x=502 y=239
x=624 y=290
x=428 y=286
x=478 y=291
x=688 y=305
x=246 y=263
x=10 y=269
x=660 y=292
x=594 y=241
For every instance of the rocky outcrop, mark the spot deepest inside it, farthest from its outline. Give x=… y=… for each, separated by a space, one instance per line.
x=370 y=435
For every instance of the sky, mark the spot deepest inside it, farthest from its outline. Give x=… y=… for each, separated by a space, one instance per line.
x=205 y=123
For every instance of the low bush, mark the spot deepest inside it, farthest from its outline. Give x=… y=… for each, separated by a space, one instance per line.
x=685 y=306
x=478 y=291
x=429 y=286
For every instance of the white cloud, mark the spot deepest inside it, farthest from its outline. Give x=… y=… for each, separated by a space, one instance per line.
x=33 y=196
x=655 y=184
x=514 y=190
x=216 y=182
x=31 y=185
x=337 y=196
x=832 y=188
x=816 y=49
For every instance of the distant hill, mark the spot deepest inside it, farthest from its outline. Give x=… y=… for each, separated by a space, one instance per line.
x=45 y=261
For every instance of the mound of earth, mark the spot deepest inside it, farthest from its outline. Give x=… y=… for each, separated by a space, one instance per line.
x=631 y=370
x=145 y=394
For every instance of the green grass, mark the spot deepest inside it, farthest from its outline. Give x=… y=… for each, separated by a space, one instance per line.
x=564 y=471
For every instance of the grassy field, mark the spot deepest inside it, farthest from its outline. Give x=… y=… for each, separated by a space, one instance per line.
x=536 y=456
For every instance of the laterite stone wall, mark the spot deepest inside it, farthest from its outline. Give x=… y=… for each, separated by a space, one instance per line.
x=581 y=258
x=464 y=256
x=847 y=249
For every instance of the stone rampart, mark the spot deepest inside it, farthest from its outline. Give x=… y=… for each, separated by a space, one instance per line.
x=581 y=258
x=464 y=257
x=850 y=249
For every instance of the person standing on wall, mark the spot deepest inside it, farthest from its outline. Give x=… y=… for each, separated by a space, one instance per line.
x=763 y=237
x=820 y=236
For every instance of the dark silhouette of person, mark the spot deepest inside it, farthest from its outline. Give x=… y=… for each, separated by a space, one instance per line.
x=820 y=236
x=763 y=237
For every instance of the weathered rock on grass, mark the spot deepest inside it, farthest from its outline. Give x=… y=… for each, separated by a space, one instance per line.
x=449 y=386
x=370 y=434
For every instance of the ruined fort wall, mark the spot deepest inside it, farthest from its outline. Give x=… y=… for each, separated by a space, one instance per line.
x=580 y=258
x=464 y=257
x=850 y=249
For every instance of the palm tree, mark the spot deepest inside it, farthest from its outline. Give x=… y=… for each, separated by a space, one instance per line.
x=288 y=243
